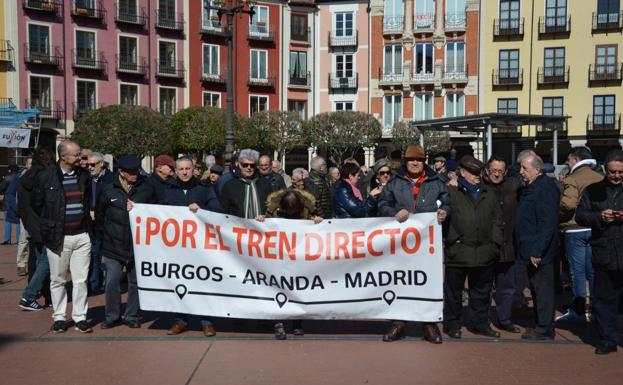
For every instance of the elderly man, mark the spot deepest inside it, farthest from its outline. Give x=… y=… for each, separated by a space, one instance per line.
x=277 y=169
x=265 y=168
x=245 y=195
x=577 y=238
x=163 y=172
x=440 y=165
x=318 y=184
x=601 y=209
x=113 y=225
x=215 y=174
x=415 y=188
x=61 y=202
x=298 y=178
x=537 y=234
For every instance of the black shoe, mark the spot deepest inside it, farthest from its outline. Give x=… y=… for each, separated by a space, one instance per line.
x=59 y=327
x=110 y=324
x=452 y=333
x=487 y=333
x=397 y=332
x=605 y=349
x=511 y=328
x=133 y=323
x=30 y=305
x=280 y=332
x=83 y=327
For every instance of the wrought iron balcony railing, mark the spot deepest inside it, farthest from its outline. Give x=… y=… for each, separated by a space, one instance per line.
x=263 y=81
x=129 y=15
x=298 y=79
x=170 y=69
x=554 y=24
x=391 y=76
x=508 y=27
x=261 y=32
x=607 y=21
x=553 y=75
x=455 y=73
x=605 y=72
x=343 y=41
x=170 y=20
x=608 y=123
x=97 y=12
x=424 y=22
x=52 y=57
x=507 y=77
x=131 y=64
x=341 y=81
x=50 y=109
x=48 y=6
x=393 y=25
x=6 y=51
x=213 y=78
x=212 y=27
x=456 y=21
x=88 y=60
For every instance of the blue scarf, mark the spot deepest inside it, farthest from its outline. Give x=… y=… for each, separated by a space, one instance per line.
x=471 y=189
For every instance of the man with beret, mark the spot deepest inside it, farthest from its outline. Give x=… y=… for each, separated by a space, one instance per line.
x=415 y=188
x=215 y=174
x=440 y=165
x=472 y=246
x=164 y=166
x=113 y=223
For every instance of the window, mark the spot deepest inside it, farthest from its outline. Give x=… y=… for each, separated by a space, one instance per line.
x=40 y=94
x=298 y=106
x=392 y=67
x=344 y=24
x=343 y=106
x=167 y=55
x=209 y=20
x=455 y=57
x=424 y=13
x=127 y=10
x=509 y=14
x=509 y=65
x=423 y=60
x=507 y=106
x=392 y=110
x=259 y=22
x=298 y=68
x=298 y=28
x=455 y=13
x=85 y=48
x=212 y=99
x=168 y=104
x=128 y=94
x=85 y=4
x=258 y=104
x=554 y=62
x=605 y=59
x=423 y=106
x=455 y=104
x=259 y=64
x=555 y=13
x=603 y=111
x=344 y=66
x=39 y=40
x=166 y=9
x=393 y=15
x=608 y=12
x=86 y=96
x=553 y=106
x=128 y=53
x=211 y=60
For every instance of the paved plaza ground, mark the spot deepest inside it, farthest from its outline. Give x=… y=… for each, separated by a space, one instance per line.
x=245 y=352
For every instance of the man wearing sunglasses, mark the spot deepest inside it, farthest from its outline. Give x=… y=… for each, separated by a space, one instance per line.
x=601 y=209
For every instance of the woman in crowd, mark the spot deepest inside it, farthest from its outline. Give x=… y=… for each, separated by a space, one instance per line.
x=348 y=201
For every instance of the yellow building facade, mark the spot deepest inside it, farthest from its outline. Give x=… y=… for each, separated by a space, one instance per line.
x=553 y=57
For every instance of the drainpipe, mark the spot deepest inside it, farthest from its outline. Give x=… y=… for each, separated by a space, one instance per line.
x=65 y=69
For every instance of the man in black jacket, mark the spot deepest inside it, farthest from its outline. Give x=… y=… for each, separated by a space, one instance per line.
x=113 y=225
x=537 y=235
x=61 y=203
x=601 y=209
x=245 y=194
x=163 y=172
x=266 y=171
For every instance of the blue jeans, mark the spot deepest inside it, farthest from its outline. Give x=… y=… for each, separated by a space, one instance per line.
x=42 y=271
x=7 y=229
x=579 y=255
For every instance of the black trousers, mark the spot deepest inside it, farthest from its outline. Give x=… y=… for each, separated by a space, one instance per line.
x=608 y=288
x=480 y=283
x=504 y=292
x=541 y=280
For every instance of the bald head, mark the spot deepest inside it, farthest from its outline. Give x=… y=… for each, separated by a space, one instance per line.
x=68 y=154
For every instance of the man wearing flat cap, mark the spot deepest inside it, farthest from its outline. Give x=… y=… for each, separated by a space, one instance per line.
x=472 y=247
x=163 y=172
x=415 y=188
x=440 y=164
x=113 y=223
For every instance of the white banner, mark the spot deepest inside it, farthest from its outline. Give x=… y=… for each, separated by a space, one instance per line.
x=220 y=265
x=14 y=137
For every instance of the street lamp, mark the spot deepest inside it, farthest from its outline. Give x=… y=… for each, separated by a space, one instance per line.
x=229 y=8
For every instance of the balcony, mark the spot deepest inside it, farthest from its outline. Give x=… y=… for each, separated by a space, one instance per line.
x=267 y=81
x=605 y=22
x=507 y=77
x=303 y=38
x=422 y=77
x=607 y=124
x=81 y=109
x=261 y=32
x=93 y=61
x=605 y=73
x=170 y=69
x=49 y=109
x=424 y=23
x=213 y=78
x=6 y=52
x=47 y=6
x=338 y=81
x=33 y=56
x=547 y=129
x=393 y=25
x=391 y=76
x=97 y=13
x=554 y=25
x=171 y=21
x=553 y=75
x=343 y=41
x=127 y=15
x=212 y=27
x=456 y=22
x=131 y=65
x=299 y=80
x=455 y=74
x=508 y=28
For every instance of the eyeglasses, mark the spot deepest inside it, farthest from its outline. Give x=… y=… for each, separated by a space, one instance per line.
x=496 y=172
x=384 y=173
x=92 y=164
x=614 y=172
x=84 y=157
x=247 y=165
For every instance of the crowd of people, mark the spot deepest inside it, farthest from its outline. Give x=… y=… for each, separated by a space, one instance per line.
x=503 y=229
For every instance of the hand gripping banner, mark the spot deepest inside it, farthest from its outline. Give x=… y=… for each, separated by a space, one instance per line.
x=213 y=264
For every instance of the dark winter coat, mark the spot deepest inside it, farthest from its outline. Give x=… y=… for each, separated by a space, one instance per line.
x=606 y=238
x=474 y=229
x=96 y=188
x=276 y=181
x=232 y=195
x=10 y=200
x=49 y=204
x=203 y=196
x=507 y=197
x=318 y=184
x=25 y=203
x=158 y=184
x=113 y=220
x=346 y=205
x=536 y=227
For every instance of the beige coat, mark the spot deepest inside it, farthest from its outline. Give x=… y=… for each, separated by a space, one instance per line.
x=574 y=184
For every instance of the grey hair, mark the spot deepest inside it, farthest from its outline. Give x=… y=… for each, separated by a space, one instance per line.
x=298 y=171
x=248 y=153
x=534 y=160
x=97 y=155
x=316 y=162
x=524 y=154
x=334 y=169
x=277 y=163
x=184 y=159
x=210 y=160
x=62 y=147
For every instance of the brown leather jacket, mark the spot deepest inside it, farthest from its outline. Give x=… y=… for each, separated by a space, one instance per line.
x=573 y=186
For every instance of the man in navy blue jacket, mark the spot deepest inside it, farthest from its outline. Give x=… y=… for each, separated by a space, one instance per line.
x=537 y=232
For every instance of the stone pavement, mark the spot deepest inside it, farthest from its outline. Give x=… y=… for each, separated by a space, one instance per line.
x=244 y=352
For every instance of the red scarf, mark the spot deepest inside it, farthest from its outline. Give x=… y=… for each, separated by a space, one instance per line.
x=415 y=190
